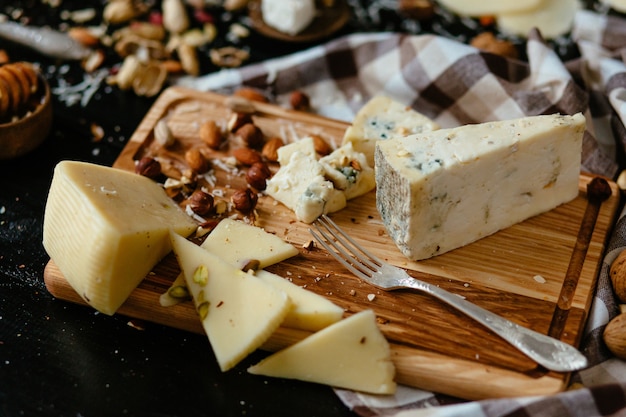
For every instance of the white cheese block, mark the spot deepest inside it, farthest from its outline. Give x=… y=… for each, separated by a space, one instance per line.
x=477 y=8
x=239 y=312
x=309 y=311
x=351 y=354
x=238 y=243
x=106 y=229
x=553 y=18
x=383 y=118
x=288 y=16
x=439 y=191
x=349 y=171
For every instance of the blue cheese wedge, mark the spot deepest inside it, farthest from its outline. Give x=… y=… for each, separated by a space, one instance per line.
x=440 y=191
x=239 y=312
x=382 y=118
x=351 y=354
x=106 y=229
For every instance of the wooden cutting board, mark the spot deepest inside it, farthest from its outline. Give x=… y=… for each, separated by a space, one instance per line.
x=518 y=272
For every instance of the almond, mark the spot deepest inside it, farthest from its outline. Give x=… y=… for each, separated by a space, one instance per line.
x=196 y=161
x=251 y=94
x=247 y=156
x=83 y=36
x=211 y=135
x=321 y=146
x=270 y=149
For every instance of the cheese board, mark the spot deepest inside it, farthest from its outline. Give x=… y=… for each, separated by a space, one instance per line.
x=519 y=272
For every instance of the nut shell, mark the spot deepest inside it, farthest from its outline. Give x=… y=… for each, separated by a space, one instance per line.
x=615 y=336
x=618 y=276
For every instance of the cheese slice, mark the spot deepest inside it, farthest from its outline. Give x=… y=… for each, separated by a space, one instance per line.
x=478 y=8
x=238 y=243
x=383 y=118
x=238 y=311
x=106 y=229
x=309 y=311
x=553 y=18
x=439 y=191
x=351 y=354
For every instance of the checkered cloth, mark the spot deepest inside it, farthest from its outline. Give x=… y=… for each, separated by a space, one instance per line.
x=456 y=84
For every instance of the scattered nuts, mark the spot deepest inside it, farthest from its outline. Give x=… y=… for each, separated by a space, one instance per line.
x=257 y=175
x=188 y=58
x=618 y=276
x=149 y=81
x=251 y=94
x=240 y=105
x=175 y=19
x=196 y=161
x=270 y=149
x=93 y=61
x=247 y=156
x=228 y=56
x=211 y=135
x=119 y=11
x=148 y=167
x=238 y=119
x=487 y=42
x=163 y=135
x=299 y=101
x=83 y=36
x=244 y=200
x=615 y=336
x=251 y=135
x=200 y=202
x=321 y=146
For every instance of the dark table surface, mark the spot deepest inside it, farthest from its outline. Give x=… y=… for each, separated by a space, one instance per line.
x=61 y=359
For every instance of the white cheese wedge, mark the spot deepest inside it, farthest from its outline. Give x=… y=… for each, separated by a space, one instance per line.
x=349 y=171
x=288 y=16
x=238 y=311
x=351 y=354
x=304 y=145
x=439 y=191
x=238 y=243
x=383 y=118
x=553 y=18
x=106 y=229
x=309 y=311
x=477 y=8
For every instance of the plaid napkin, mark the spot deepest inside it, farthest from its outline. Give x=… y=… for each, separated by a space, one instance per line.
x=456 y=84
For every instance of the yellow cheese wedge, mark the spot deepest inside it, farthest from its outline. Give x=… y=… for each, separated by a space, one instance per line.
x=553 y=18
x=238 y=311
x=106 y=228
x=237 y=243
x=351 y=354
x=310 y=311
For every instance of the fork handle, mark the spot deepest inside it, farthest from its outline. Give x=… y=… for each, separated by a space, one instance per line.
x=547 y=351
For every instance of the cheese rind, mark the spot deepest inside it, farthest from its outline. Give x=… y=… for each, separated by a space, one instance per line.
x=439 y=191
x=106 y=229
x=351 y=354
x=382 y=118
x=241 y=310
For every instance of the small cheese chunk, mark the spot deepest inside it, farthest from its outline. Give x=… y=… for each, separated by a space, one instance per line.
x=439 y=191
x=106 y=229
x=320 y=197
x=288 y=16
x=238 y=243
x=239 y=312
x=478 y=8
x=351 y=354
x=304 y=145
x=553 y=18
x=310 y=311
x=349 y=171
x=383 y=118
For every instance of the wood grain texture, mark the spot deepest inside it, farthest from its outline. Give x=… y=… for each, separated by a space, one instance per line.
x=517 y=272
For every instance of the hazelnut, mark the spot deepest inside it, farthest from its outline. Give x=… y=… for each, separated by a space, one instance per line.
x=270 y=149
x=200 y=202
x=257 y=175
x=321 y=146
x=244 y=200
x=237 y=120
x=251 y=135
x=251 y=94
x=247 y=156
x=148 y=167
x=196 y=161
x=211 y=134
x=299 y=101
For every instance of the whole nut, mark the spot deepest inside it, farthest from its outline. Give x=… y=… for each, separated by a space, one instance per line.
x=196 y=161
x=299 y=101
x=211 y=135
x=200 y=202
x=257 y=175
x=251 y=94
x=237 y=120
x=321 y=146
x=614 y=336
x=270 y=149
x=83 y=36
x=247 y=156
x=148 y=167
x=244 y=200
x=618 y=276
x=251 y=135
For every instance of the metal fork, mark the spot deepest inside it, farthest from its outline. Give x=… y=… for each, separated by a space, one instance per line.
x=549 y=352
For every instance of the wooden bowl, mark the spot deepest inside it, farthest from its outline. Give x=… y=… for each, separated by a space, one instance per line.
x=23 y=135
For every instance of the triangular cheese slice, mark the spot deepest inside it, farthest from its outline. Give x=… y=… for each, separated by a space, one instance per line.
x=351 y=354
x=238 y=311
x=310 y=311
